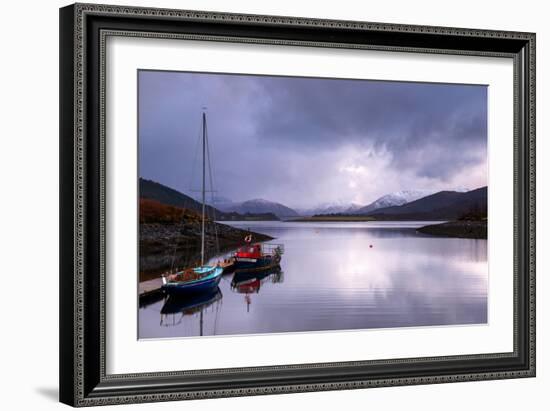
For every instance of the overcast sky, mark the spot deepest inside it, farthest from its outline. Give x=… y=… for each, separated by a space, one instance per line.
x=307 y=141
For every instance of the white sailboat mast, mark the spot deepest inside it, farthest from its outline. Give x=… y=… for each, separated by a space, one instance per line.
x=203 y=185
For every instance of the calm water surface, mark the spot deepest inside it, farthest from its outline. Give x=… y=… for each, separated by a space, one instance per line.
x=338 y=276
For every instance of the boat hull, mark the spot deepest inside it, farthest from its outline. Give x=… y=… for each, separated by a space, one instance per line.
x=260 y=263
x=205 y=285
x=228 y=266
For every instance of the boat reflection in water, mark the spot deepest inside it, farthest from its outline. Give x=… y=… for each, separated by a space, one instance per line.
x=176 y=307
x=250 y=282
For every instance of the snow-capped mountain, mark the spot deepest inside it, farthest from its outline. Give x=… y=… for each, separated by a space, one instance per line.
x=258 y=206
x=399 y=198
x=394 y=199
x=443 y=205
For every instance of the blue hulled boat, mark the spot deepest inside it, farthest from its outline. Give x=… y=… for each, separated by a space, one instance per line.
x=198 y=280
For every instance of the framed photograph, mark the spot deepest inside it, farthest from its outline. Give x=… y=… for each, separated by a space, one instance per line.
x=261 y=204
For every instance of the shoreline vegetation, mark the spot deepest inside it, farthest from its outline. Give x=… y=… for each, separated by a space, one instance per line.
x=332 y=218
x=476 y=229
x=472 y=224
x=170 y=238
x=457 y=229
x=232 y=216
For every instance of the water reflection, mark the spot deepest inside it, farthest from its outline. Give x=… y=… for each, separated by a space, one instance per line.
x=248 y=283
x=341 y=276
x=177 y=307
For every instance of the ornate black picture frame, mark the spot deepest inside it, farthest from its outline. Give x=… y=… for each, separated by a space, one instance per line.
x=83 y=30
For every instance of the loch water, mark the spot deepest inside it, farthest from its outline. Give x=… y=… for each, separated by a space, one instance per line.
x=337 y=276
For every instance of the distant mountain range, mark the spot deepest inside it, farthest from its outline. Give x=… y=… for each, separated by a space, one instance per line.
x=444 y=205
x=155 y=191
x=401 y=205
x=258 y=206
x=338 y=207
x=393 y=199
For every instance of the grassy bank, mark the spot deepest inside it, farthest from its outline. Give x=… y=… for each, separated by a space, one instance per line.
x=457 y=229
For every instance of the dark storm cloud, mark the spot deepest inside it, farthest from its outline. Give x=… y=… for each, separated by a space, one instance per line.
x=272 y=131
x=405 y=118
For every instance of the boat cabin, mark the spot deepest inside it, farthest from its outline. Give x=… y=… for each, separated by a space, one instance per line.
x=249 y=251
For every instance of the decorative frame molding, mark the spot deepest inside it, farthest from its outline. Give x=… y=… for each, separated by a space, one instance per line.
x=83 y=32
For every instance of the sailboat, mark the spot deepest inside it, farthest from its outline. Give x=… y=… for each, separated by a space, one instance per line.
x=204 y=278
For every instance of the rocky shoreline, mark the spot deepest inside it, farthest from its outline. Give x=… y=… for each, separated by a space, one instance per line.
x=163 y=246
x=457 y=229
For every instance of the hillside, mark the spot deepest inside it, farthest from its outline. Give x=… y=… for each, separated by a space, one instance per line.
x=459 y=229
x=170 y=237
x=260 y=206
x=393 y=199
x=444 y=205
x=168 y=196
x=152 y=190
x=233 y=216
x=152 y=211
x=337 y=207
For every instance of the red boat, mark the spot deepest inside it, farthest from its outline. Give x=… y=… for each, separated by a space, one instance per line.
x=256 y=257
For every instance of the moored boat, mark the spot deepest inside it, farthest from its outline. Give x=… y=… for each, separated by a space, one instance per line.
x=193 y=281
x=228 y=265
x=257 y=257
